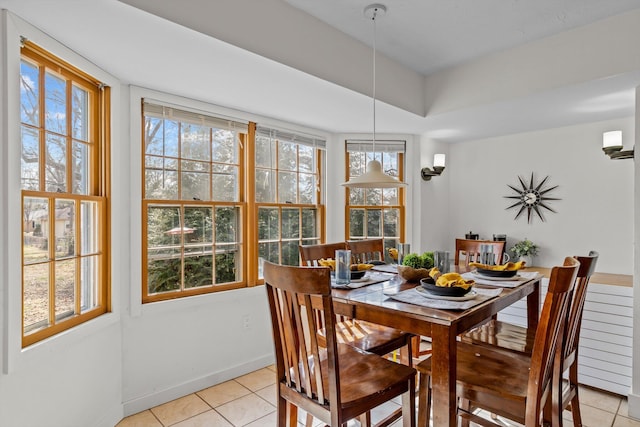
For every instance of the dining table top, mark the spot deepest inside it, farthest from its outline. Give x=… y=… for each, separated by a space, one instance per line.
x=378 y=294
x=375 y=303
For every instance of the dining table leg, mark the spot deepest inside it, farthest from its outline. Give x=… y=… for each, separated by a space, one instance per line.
x=533 y=307
x=443 y=375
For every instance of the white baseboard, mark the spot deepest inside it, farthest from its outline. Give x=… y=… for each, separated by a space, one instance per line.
x=111 y=418
x=634 y=406
x=149 y=401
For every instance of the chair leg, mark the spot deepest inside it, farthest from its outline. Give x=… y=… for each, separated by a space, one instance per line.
x=365 y=419
x=309 y=420
x=575 y=401
x=575 y=410
x=406 y=353
x=465 y=405
x=424 y=400
x=416 y=347
x=287 y=413
x=409 y=405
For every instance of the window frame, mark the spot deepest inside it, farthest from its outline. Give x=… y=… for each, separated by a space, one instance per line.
x=99 y=122
x=318 y=206
x=250 y=260
x=181 y=203
x=401 y=200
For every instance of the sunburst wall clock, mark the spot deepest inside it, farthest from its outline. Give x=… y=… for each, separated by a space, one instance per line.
x=532 y=198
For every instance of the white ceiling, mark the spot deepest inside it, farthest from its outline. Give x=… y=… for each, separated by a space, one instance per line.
x=431 y=35
x=190 y=48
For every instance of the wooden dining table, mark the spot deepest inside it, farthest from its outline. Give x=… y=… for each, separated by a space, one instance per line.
x=373 y=304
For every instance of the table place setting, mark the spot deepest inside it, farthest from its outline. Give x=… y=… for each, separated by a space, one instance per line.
x=502 y=282
x=386 y=268
x=369 y=278
x=420 y=296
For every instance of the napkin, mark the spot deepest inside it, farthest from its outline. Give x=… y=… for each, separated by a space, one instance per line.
x=369 y=279
x=412 y=296
x=387 y=268
x=510 y=266
x=512 y=282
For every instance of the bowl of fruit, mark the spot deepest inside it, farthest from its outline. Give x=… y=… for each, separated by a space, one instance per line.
x=448 y=284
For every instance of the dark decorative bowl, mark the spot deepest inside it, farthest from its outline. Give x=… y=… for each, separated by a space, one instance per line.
x=497 y=273
x=376 y=262
x=453 y=291
x=357 y=275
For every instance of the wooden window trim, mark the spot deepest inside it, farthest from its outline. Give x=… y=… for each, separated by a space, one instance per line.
x=99 y=170
x=244 y=245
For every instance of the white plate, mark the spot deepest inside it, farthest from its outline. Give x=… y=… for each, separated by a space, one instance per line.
x=425 y=293
x=362 y=279
x=497 y=279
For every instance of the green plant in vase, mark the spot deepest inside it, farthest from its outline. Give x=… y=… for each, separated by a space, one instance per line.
x=525 y=250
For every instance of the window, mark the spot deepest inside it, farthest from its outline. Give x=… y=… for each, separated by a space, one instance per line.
x=287 y=194
x=193 y=215
x=64 y=182
x=375 y=212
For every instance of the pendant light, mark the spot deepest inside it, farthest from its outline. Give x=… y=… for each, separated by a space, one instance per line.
x=374 y=177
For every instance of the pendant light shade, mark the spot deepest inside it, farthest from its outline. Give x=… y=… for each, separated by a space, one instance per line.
x=374 y=177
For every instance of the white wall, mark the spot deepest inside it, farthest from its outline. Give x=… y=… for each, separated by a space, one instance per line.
x=177 y=347
x=136 y=356
x=432 y=202
x=634 y=397
x=75 y=378
x=596 y=206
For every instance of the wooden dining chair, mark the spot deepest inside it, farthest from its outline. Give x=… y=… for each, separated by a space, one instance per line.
x=366 y=250
x=334 y=383
x=470 y=250
x=373 y=249
x=520 y=339
x=310 y=254
x=361 y=334
x=510 y=384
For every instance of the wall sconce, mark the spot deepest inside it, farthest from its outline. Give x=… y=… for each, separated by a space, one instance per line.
x=612 y=145
x=438 y=167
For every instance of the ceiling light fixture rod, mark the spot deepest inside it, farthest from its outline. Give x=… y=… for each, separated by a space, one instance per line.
x=374 y=176
x=372 y=12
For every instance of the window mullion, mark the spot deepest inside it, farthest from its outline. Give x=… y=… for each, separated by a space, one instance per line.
x=42 y=167
x=179 y=160
x=69 y=136
x=77 y=246
x=182 y=225
x=250 y=218
x=210 y=164
x=52 y=260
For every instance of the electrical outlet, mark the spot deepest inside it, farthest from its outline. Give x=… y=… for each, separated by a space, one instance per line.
x=246 y=322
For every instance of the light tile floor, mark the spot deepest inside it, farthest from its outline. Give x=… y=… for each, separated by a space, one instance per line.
x=249 y=400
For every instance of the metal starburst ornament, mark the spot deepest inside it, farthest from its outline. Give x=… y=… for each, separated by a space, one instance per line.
x=531 y=198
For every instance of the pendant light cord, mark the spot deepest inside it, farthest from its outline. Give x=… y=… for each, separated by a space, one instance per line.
x=375 y=12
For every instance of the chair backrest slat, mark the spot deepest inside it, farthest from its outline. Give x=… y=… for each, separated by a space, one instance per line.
x=310 y=254
x=587 y=267
x=471 y=250
x=364 y=251
x=553 y=317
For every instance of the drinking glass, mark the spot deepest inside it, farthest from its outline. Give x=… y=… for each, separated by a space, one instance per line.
x=343 y=267
x=403 y=250
x=441 y=261
x=487 y=256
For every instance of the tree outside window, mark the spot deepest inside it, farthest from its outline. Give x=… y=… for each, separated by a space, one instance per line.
x=65 y=254
x=193 y=213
